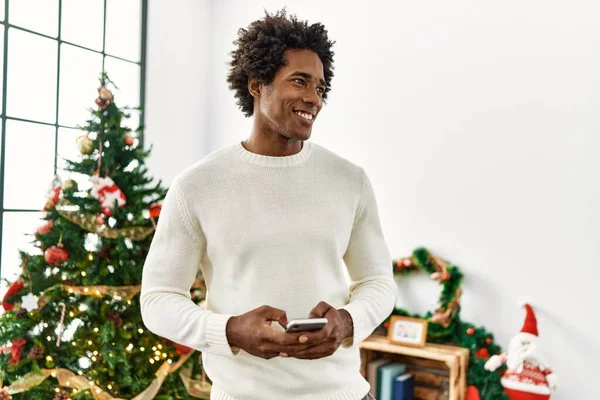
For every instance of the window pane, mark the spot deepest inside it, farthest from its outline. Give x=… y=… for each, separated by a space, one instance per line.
x=127 y=77
x=31 y=87
x=2 y=6
x=17 y=231
x=124 y=28
x=36 y=15
x=67 y=148
x=82 y=22
x=79 y=73
x=29 y=164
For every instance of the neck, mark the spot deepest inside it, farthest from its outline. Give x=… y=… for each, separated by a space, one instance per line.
x=274 y=145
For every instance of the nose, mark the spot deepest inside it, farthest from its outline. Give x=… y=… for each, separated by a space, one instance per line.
x=312 y=97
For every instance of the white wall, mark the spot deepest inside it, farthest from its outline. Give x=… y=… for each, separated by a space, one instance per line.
x=477 y=124
x=177 y=91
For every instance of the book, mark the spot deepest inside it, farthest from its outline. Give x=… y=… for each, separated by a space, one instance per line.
x=372 y=374
x=385 y=379
x=404 y=387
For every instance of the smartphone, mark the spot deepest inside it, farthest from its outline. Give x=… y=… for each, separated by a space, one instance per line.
x=305 y=324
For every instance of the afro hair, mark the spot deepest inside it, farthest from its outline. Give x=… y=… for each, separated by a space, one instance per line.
x=260 y=47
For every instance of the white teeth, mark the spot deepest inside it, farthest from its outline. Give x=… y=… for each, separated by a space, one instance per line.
x=305 y=115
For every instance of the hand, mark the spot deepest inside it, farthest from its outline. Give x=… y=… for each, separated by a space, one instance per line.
x=325 y=341
x=253 y=333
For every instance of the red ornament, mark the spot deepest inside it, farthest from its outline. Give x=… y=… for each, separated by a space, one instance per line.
x=155 y=210
x=483 y=353
x=472 y=393
x=55 y=255
x=46 y=228
x=181 y=349
x=470 y=331
x=13 y=289
x=129 y=140
x=488 y=340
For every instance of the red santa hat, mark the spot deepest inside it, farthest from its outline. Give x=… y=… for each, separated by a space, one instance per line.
x=529 y=331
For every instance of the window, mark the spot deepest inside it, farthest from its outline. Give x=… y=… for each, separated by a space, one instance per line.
x=53 y=52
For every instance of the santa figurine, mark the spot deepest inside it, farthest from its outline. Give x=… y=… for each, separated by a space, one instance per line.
x=526 y=377
x=106 y=191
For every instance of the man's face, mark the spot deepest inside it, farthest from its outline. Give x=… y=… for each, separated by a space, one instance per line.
x=291 y=103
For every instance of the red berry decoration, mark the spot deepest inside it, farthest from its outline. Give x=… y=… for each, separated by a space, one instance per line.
x=488 y=340
x=470 y=331
x=129 y=140
x=483 y=353
x=155 y=210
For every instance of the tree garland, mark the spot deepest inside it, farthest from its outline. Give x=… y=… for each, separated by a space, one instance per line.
x=445 y=325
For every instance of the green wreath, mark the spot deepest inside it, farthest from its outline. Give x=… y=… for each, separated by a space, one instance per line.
x=445 y=325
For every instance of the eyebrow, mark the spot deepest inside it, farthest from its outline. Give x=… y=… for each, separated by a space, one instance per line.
x=308 y=76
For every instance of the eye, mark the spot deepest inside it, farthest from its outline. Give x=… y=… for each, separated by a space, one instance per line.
x=321 y=90
x=300 y=81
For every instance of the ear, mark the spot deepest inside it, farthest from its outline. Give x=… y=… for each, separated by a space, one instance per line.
x=255 y=87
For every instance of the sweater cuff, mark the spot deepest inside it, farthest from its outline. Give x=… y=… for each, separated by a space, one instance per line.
x=216 y=335
x=358 y=326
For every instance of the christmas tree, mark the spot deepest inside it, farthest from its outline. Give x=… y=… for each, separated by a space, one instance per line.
x=72 y=327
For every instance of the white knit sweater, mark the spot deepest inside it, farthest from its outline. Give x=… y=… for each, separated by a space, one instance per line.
x=274 y=231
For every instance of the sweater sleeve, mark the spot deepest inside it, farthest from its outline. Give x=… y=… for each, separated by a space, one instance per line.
x=373 y=290
x=169 y=271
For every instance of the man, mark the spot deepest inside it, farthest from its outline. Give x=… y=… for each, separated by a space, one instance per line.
x=270 y=222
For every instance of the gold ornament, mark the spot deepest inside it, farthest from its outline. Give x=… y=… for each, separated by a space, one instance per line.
x=89 y=222
x=85 y=144
x=69 y=184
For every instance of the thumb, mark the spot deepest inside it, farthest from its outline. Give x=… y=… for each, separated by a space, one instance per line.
x=274 y=314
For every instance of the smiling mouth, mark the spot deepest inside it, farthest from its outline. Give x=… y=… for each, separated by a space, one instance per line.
x=306 y=116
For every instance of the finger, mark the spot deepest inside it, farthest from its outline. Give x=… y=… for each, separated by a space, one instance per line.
x=314 y=352
x=282 y=338
x=273 y=314
x=320 y=310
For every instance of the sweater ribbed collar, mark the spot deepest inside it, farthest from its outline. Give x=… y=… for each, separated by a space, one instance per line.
x=271 y=161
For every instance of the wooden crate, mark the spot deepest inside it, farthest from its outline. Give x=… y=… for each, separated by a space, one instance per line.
x=452 y=358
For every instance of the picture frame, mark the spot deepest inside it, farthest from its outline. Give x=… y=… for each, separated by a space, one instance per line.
x=407 y=331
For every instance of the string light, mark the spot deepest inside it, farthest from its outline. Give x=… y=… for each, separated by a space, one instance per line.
x=71 y=314
x=142 y=349
x=48 y=358
x=48 y=338
x=153 y=348
x=70 y=290
x=86 y=290
x=169 y=361
x=83 y=273
x=140 y=330
x=80 y=372
x=151 y=361
x=74 y=344
x=95 y=352
x=96 y=330
x=90 y=342
x=130 y=347
x=57 y=390
x=157 y=353
x=90 y=256
x=94 y=358
x=157 y=358
x=160 y=346
x=164 y=355
x=109 y=387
